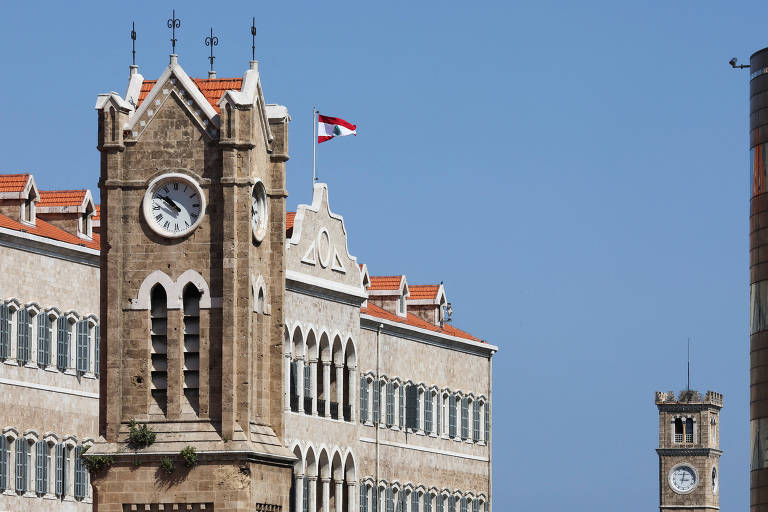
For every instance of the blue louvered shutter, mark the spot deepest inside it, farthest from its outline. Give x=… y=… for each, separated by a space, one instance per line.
x=451 y=504
x=3 y=463
x=440 y=507
x=415 y=501
x=363 y=399
x=21 y=465
x=464 y=418
x=22 y=336
x=79 y=474
x=476 y=421
x=82 y=346
x=305 y=495
x=60 y=469
x=376 y=407
x=390 y=503
x=475 y=505
x=374 y=499
x=5 y=331
x=439 y=406
x=97 y=350
x=363 y=498
x=452 y=416
x=43 y=339
x=427 y=502
x=390 y=419
x=487 y=422
x=463 y=504
x=428 y=412
x=62 y=344
x=401 y=412
x=411 y=407
x=41 y=456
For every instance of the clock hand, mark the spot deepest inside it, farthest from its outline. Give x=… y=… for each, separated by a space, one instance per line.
x=170 y=202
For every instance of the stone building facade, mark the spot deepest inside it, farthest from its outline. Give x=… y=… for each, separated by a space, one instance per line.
x=303 y=382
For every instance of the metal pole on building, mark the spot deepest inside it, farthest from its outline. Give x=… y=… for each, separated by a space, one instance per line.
x=314 y=145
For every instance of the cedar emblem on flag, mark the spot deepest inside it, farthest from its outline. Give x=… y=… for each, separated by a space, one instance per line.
x=330 y=127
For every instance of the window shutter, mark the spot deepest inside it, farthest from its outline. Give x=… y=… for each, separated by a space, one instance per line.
x=3 y=463
x=401 y=412
x=390 y=506
x=390 y=404
x=464 y=418
x=22 y=336
x=427 y=502
x=451 y=504
x=4 y=331
x=428 y=412
x=376 y=407
x=415 y=501
x=21 y=465
x=60 y=469
x=82 y=346
x=374 y=499
x=475 y=506
x=439 y=414
x=476 y=421
x=79 y=474
x=440 y=507
x=97 y=350
x=43 y=339
x=452 y=416
x=363 y=400
x=463 y=504
x=307 y=382
x=411 y=407
x=305 y=495
x=40 y=454
x=487 y=425
x=403 y=502
x=62 y=345
x=363 y=498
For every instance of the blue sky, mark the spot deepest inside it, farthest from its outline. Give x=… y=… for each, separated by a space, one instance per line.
x=576 y=173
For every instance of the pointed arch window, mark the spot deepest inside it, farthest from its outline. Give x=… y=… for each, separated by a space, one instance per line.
x=678 y=430
x=192 y=346
x=689 y=430
x=159 y=349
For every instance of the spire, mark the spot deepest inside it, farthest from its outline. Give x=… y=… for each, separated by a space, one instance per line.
x=173 y=24
x=133 y=43
x=211 y=41
x=253 y=39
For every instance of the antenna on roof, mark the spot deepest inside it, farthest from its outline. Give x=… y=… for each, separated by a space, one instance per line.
x=173 y=24
x=133 y=42
x=211 y=41
x=689 y=364
x=253 y=38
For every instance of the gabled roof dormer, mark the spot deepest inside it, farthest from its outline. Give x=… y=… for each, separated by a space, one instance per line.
x=70 y=210
x=390 y=293
x=427 y=301
x=18 y=197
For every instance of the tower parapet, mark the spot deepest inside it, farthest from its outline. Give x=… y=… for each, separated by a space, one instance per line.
x=689 y=396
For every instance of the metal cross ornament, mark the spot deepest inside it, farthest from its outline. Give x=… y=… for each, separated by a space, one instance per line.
x=173 y=24
x=211 y=41
x=253 y=39
x=133 y=41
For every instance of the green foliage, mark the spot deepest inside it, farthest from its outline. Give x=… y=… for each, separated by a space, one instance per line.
x=140 y=436
x=96 y=463
x=166 y=464
x=189 y=454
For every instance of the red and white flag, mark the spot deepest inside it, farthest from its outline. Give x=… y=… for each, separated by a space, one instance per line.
x=330 y=127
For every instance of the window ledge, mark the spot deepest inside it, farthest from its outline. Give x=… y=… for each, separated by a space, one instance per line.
x=89 y=375
x=30 y=494
x=70 y=371
x=367 y=423
x=433 y=435
x=9 y=492
x=49 y=496
x=51 y=369
x=420 y=433
x=11 y=362
x=30 y=364
x=68 y=498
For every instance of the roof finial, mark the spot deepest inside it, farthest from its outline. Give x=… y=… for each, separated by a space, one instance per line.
x=173 y=24
x=133 y=42
x=253 y=38
x=211 y=41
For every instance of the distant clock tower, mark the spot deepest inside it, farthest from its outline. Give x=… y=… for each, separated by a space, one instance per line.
x=689 y=451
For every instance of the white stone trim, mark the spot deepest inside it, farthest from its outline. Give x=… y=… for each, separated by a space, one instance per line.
x=327 y=284
x=53 y=389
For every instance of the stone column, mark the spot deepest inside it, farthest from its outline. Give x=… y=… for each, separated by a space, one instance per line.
x=312 y=494
x=12 y=332
x=354 y=382
x=340 y=390
x=351 y=497
x=69 y=469
x=287 y=382
x=53 y=348
x=326 y=493
x=300 y=382
x=313 y=385
x=327 y=387
x=339 y=498
x=51 y=471
x=420 y=396
x=298 y=488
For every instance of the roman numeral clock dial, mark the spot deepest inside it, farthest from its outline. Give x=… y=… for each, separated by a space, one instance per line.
x=173 y=205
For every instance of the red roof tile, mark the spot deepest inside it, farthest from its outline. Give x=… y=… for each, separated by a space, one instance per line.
x=415 y=321
x=52 y=198
x=423 y=291
x=97 y=213
x=290 y=217
x=13 y=182
x=44 y=229
x=212 y=88
x=385 y=282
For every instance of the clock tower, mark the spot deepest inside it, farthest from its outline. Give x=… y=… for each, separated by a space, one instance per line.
x=192 y=291
x=689 y=450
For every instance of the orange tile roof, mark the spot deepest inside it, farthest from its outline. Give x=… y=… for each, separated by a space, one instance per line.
x=423 y=291
x=13 y=182
x=290 y=217
x=97 y=213
x=415 y=321
x=385 y=282
x=52 y=198
x=212 y=88
x=44 y=229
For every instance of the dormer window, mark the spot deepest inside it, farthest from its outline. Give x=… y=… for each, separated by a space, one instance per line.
x=402 y=305
x=28 y=207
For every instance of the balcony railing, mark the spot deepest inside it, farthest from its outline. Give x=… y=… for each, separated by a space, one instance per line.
x=320 y=407
x=335 y=410
x=307 y=405
x=347 y=409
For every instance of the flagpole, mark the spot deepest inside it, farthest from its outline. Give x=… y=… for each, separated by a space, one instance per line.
x=314 y=145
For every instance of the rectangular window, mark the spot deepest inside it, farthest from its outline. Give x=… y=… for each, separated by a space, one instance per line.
x=376 y=405
x=80 y=474
x=97 y=350
x=390 y=500
x=476 y=421
x=62 y=343
x=21 y=465
x=363 y=399
x=414 y=501
x=411 y=407
x=61 y=469
x=440 y=503
x=428 y=412
x=294 y=388
x=4 y=456
x=307 y=380
x=427 y=502
x=463 y=505
x=390 y=404
x=452 y=416
x=305 y=495
x=82 y=346
x=487 y=422
x=363 y=498
x=5 y=331
x=43 y=340
x=41 y=467
x=22 y=336
x=464 y=418
x=401 y=412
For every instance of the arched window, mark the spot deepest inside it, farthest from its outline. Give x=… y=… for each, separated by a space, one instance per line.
x=43 y=340
x=192 y=346
x=678 y=430
x=260 y=302
x=159 y=350
x=62 y=343
x=22 y=336
x=689 y=430
x=364 y=497
x=41 y=467
x=363 y=401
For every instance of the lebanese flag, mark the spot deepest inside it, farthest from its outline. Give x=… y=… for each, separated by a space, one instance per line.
x=330 y=127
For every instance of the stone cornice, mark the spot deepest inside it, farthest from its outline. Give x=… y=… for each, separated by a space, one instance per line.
x=706 y=452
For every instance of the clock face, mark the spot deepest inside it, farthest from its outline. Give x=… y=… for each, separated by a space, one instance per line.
x=259 y=211
x=714 y=480
x=173 y=205
x=683 y=478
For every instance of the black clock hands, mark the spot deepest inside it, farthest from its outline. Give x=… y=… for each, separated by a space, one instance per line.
x=170 y=202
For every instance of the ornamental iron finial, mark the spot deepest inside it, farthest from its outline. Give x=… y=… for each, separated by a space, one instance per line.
x=253 y=38
x=133 y=41
x=211 y=41
x=173 y=24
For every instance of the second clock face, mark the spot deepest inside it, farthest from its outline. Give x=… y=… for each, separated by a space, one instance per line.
x=683 y=478
x=173 y=205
